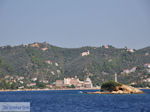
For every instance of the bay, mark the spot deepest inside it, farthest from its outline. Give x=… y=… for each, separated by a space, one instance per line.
x=74 y=101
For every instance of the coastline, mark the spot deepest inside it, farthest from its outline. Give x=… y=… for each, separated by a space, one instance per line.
x=7 y=90
x=143 y=88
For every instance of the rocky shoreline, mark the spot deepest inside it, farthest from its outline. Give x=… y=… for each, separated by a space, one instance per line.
x=123 y=89
x=48 y=89
x=97 y=92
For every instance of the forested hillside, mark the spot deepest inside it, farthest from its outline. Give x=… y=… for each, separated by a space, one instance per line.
x=48 y=62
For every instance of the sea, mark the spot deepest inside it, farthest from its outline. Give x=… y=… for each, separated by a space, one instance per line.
x=76 y=101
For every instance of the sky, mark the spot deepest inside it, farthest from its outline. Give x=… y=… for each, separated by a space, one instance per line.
x=76 y=23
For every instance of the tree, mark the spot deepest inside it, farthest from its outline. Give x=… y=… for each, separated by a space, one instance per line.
x=110 y=85
x=71 y=86
x=40 y=85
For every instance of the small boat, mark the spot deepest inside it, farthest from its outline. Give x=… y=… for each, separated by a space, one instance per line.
x=81 y=92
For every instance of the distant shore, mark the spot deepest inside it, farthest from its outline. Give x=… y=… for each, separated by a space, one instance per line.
x=55 y=89
x=49 y=89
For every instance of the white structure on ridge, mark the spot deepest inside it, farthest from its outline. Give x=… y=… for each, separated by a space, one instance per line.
x=85 y=53
x=130 y=50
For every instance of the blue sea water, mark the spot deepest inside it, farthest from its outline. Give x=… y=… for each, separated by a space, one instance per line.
x=74 y=101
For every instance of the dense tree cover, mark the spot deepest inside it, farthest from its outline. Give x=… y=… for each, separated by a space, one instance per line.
x=71 y=86
x=110 y=85
x=101 y=64
x=40 y=85
x=8 y=85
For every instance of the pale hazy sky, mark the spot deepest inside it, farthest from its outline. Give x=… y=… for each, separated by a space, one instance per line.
x=76 y=23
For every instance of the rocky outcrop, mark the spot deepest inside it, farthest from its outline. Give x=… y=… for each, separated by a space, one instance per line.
x=122 y=89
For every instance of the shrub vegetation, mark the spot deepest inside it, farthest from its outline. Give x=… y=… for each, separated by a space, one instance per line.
x=110 y=86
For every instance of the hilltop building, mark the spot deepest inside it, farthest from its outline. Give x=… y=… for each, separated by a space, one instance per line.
x=130 y=50
x=35 y=45
x=106 y=46
x=85 y=53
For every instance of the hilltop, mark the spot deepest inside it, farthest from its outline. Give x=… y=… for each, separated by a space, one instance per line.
x=48 y=63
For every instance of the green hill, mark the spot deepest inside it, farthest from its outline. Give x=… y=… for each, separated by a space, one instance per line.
x=48 y=62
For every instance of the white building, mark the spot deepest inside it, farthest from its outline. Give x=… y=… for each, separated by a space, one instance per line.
x=67 y=81
x=133 y=69
x=106 y=46
x=34 y=79
x=147 y=65
x=56 y=64
x=48 y=62
x=85 y=53
x=88 y=83
x=147 y=80
x=44 y=49
x=130 y=50
x=126 y=71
